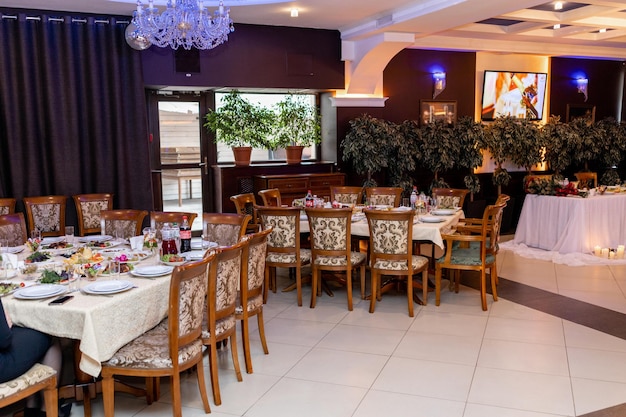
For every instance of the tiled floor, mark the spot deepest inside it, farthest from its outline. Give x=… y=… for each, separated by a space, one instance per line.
x=449 y=361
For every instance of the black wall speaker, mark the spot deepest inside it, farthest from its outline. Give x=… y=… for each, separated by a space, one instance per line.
x=187 y=60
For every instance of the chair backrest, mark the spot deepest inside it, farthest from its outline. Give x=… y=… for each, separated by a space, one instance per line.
x=122 y=223
x=188 y=290
x=391 y=235
x=347 y=195
x=492 y=222
x=285 y=225
x=46 y=213
x=224 y=278
x=226 y=229
x=502 y=198
x=271 y=197
x=330 y=232
x=253 y=266
x=245 y=204
x=7 y=206
x=387 y=196
x=88 y=208
x=590 y=179
x=449 y=197
x=13 y=229
x=157 y=218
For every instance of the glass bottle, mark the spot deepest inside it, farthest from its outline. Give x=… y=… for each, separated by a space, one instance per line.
x=168 y=247
x=185 y=236
x=309 y=201
x=414 y=198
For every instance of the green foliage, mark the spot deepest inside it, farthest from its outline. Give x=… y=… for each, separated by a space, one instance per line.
x=438 y=147
x=586 y=148
x=297 y=123
x=501 y=176
x=515 y=140
x=611 y=145
x=241 y=123
x=610 y=177
x=558 y=139
x=472 y=183
x=471 y=135
x=534 y=185
x=404 y=154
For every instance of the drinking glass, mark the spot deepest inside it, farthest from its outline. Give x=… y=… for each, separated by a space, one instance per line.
x=69 y=234
x=114 y=269
x=73 y=283
x=406 y=202
x=35 y=234
x=206 y=242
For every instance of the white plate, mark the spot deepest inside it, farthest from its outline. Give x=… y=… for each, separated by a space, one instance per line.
x=133 y=257
x=15 y=249
x=49 y=240
x=152 y=271
x=198 y=244
x=195 y=255
x=95 y=238
x=431 y=219
x=443 y=212
x=108 y=287
x=39 y=291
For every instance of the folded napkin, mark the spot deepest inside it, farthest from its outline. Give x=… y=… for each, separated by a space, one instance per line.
x=9 y=260
x=136 y=243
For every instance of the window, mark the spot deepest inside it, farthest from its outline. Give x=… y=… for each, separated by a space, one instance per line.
x=225 y=154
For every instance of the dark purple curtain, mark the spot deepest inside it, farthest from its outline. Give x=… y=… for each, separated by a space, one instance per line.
x=72 y=110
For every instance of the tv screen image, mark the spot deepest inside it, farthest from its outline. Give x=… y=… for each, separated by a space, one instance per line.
x=515 y=94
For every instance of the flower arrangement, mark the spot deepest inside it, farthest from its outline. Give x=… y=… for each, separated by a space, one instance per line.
x=33 y=244
x=542 y=186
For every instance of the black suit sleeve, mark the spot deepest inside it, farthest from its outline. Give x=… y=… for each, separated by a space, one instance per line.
x=5 y=331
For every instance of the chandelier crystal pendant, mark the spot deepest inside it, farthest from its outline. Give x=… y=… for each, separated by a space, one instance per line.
x=183 y=23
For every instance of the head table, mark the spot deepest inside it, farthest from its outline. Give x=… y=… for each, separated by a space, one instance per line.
x=572 y=224
x=102 y=323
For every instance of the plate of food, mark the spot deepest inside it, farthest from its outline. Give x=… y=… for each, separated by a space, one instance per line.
x=94 y=238
x=7 y=287
x=173 y=260
x=124 y=255
x=50 y=276
x=37 y=257
x=57 y=247
x=50 y=240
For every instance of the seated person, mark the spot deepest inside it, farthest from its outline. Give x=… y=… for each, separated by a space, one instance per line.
x=20 y=349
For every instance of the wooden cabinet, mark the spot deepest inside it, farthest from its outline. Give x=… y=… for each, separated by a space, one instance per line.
x=296 y=185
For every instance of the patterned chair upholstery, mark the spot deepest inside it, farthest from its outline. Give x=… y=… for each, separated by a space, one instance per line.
x=245 y=204
x=13 y=229
x=158 y=218
x=271 y=197
x=7 y=206
x=347 y=195
x=391 y=252
x=331 y=249
x=283 y=245
x=250 y=296
x=449 y=197
x=219 y=321
x=383 y=196
x=47 y=214
x=224 y=228
x=38 y=377
x=122 y=223
x=468 y=251
x=149 y=355
x=88 y=208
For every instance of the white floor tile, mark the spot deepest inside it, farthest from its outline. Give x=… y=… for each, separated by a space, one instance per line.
x=362 y=339
x=479 y=410
x=584 y=337
x=507 y=309
x=461 y=350
x=547 y=332
x=379 y=403
x=591 y=395
x=598 y=365
x=442 y=322
x=521 y=356
x=296 y=332
x=383 y=317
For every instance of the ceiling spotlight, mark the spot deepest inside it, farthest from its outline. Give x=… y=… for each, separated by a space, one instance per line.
x=294 y=12
x=603 y=30
x=558 y=5
x=557 y=26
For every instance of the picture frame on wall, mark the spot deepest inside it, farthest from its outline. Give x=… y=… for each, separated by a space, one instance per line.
x=577 y=111
x=431 y=110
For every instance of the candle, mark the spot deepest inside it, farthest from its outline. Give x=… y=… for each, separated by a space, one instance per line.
x=605 y=252
x=612 y=255
x=620 y=252
x=597 y=250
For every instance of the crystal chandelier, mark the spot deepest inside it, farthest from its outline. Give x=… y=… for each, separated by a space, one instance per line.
x=183 y=23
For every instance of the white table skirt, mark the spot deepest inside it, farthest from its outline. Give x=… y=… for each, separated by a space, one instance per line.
x=421 y=231
x=569 y=224
x=102 y=324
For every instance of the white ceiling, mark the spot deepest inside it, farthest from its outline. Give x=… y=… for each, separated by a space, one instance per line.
x=436 y=24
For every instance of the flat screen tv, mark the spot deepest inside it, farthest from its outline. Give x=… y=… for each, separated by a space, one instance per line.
x=515 y=94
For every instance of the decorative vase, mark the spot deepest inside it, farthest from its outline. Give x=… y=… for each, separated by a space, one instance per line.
x=242 y=155
x=294 y=154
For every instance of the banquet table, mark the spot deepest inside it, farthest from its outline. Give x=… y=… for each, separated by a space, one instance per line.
x=572 y=224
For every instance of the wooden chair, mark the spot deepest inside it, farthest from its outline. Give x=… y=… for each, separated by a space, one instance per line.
x=13 y=229
x=39 y=377
x=587 y=179
x=219 y=321
x=245 y=204
x=449 y=197
x=283 y=245
x=171 y=347
x=271 y=197
x=347 y=195
x=387 y=196
x=391 y=252
x=123 y=223
x=226 y=229
x=88 y=208
x=7 y=206
x=46 y=213
x=250 y=298
x=157 y=218
x=331 y=249
x=473 y=252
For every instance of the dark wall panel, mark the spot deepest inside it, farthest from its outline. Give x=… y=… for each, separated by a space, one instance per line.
x=257 y=57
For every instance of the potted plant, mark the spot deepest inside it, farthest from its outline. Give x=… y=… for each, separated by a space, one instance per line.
x=557 y=138
x=241 y=125
x=471 y=134
x=297 y=125
x=439 y=149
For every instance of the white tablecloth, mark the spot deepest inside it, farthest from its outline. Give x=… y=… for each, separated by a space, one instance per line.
x=570 y=224
x=102 y=324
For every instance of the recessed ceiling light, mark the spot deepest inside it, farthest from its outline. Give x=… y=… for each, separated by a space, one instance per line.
x=557 y=26
x=558 y=5
x=294 y=12
x=603 y=30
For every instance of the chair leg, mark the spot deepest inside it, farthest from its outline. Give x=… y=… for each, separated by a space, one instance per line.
x=266 y=284
x=108 y=395
x=261 y=326
x=437 y=284
x=215 y=382
x=493 y=275
x=409 y=292
x=202 y=385
x=235 y=355
x=51 y=398
x=177 y=408
x=349 y=288
x=374 y=287
x=314 y=284
x=245 y=341
x=425 y=286
x=299 y=285
x=362 y=282
x=483 y=288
